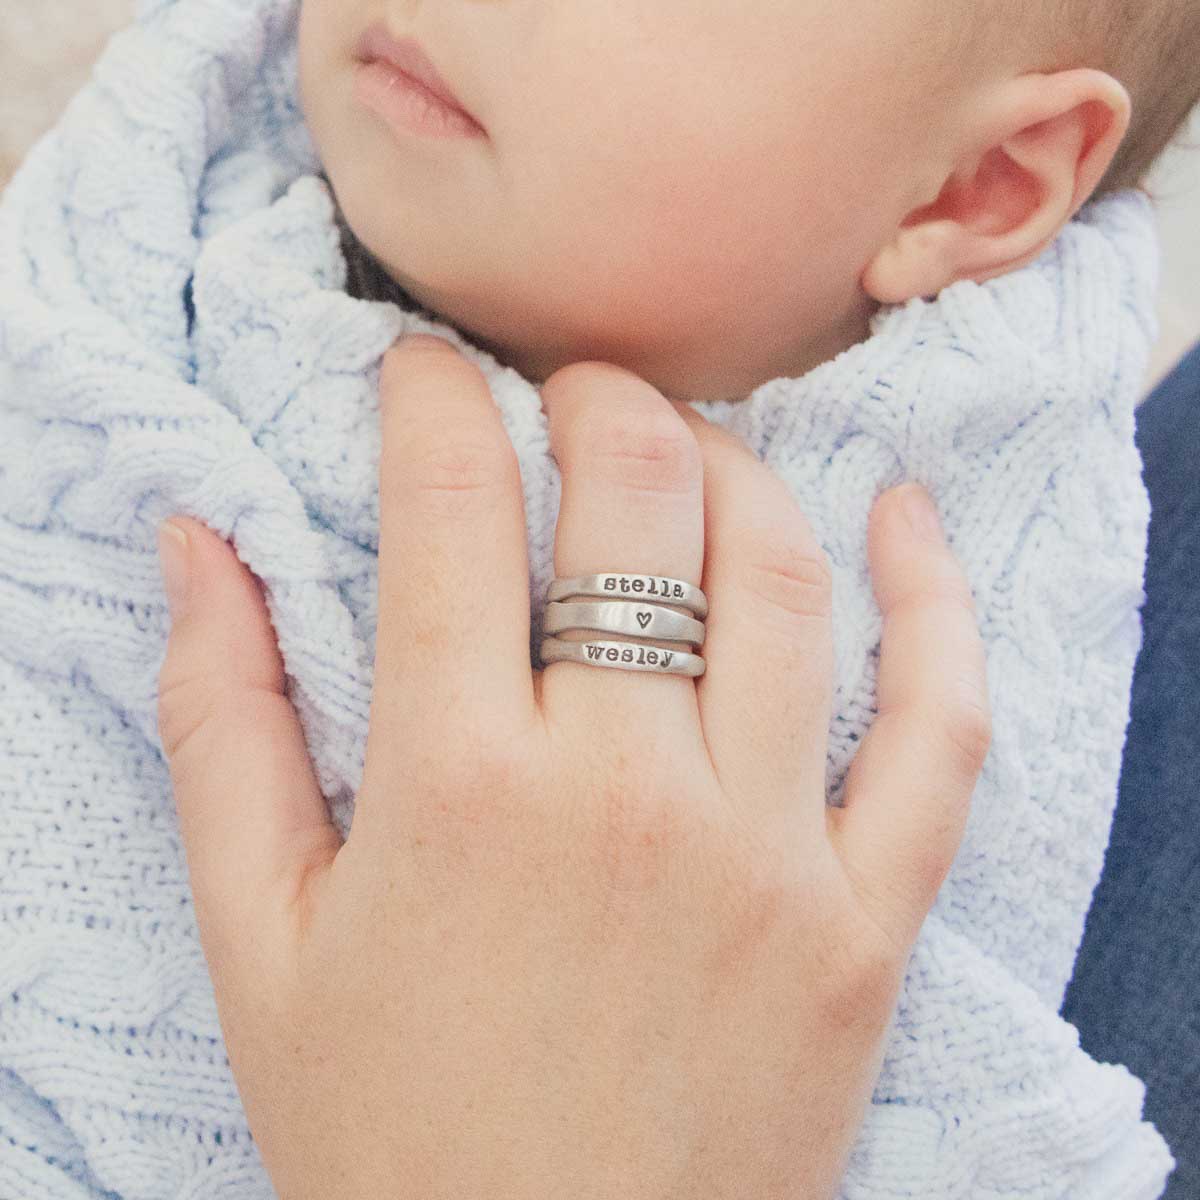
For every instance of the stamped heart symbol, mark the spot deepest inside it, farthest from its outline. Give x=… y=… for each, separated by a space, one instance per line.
x=643 y=619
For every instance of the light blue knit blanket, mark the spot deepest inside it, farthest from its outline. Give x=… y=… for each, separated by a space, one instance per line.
x=175 y=337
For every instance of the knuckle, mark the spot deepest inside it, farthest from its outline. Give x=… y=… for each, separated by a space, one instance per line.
x=968 y=726
x=857 y=972
x=471 y=796
x=184 y=710
x=949 y=590
x=793 y=579
x=871 y=970
x=955 y=591
x=503 y=767
x=878 y=937
x=755 y=898
x=930 y=858
x=862 y=963
x=485 y=769
x=876 y=954
x=461 y=472
x=636 y=836
x=654 y=452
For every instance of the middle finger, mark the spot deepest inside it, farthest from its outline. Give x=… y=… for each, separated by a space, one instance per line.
x=632 y=502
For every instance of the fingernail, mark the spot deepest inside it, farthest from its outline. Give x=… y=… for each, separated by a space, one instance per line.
x=922 y=513
x=425 y=341
x=174 y=560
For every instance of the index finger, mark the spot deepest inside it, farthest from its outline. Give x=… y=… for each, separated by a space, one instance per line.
x=452 y=650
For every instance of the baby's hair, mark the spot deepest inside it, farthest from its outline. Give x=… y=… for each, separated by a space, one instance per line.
x=1150 y=46
x=1153 y=48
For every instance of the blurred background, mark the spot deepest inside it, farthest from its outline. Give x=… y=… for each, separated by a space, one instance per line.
x=47 y=48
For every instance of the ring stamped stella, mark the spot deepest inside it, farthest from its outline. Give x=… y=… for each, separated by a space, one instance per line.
x=627 y=610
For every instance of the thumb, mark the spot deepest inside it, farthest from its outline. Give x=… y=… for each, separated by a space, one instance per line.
x=908 y=793
x=254 y=823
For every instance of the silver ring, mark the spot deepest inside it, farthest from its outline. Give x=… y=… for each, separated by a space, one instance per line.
x=624 y=585
x=623 y=616
x=625 y=656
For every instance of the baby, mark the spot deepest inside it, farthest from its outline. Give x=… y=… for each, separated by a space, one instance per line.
x=737 y=185
x=866 y=280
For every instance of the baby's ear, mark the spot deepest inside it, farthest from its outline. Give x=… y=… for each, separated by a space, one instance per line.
x=1038 y=148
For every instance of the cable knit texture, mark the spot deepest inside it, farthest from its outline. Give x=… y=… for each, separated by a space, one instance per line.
x=175 y=336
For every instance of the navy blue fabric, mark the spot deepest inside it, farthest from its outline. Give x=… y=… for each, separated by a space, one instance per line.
x=1135 y=993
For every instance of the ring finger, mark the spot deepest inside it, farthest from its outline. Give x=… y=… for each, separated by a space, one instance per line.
x=632 y=503
x=766 y=699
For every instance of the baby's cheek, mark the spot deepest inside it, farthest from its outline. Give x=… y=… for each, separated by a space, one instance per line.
x=692 y=248
x=313 y=60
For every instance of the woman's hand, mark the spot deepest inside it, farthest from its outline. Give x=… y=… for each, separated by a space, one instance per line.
x=593 y=933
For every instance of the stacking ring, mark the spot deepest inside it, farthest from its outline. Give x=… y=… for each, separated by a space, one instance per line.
x=616 y=585
x=627 y=656
x=621 y=616
x=636 y=605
